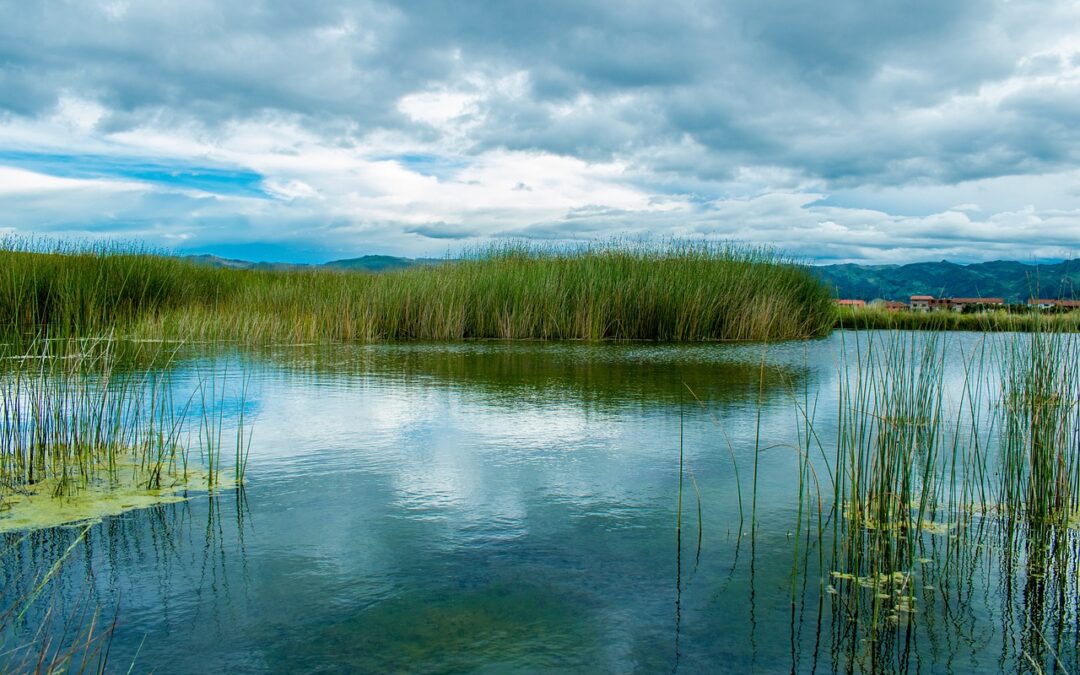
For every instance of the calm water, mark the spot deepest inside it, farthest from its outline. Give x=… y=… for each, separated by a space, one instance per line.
x=500 y=507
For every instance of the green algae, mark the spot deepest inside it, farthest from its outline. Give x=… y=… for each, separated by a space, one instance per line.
x=105 y=492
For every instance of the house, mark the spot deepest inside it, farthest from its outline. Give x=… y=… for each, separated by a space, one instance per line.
x=928 y=303
x=922 y=303
x=853 y=304
x=958 y=304
x=1044 y=303
x=894 y=306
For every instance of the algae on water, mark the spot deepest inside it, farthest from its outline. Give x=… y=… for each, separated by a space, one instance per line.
x=81 y=439
x=106 y=492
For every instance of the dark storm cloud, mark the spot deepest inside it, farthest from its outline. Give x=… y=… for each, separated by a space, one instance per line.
x=214 y=61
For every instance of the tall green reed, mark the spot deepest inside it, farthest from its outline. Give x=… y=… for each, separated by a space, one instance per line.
x=929 y=460
x=988 y=321
x=677 y=292
x=1040 y=396
x=887 y=449
x=70 y=417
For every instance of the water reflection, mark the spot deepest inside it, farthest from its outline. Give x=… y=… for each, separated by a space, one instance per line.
x=599 y=377
x=505 y=507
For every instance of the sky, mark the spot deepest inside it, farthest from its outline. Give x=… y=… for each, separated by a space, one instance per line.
x=870 y=131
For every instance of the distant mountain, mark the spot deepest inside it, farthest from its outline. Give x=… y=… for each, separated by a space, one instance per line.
x=367 y=263
x=233 y=264
x=380 y=263
x=1011 y=280
x=1008 y=279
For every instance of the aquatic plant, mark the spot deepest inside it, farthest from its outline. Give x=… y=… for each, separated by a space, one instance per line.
x=1040 y=404
x=888 y=462
x=676 y=292
x=924 y=474
x=77 y=436
x=60 y=290
x=872 y=318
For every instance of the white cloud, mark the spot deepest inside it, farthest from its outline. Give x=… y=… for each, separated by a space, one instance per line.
x=438 y=108
x=17 y=182
x=947 y=130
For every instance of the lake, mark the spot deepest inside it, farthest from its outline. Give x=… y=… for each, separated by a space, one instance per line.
x=515 y=507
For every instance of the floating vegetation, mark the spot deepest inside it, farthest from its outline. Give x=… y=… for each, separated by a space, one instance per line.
x=105 y=491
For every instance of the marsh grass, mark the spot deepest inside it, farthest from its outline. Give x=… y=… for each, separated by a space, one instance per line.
x=889 y=460
x=1040 y=396
x=77 y=290
x=75 y=431
x=65 y=416
x=944 y=459
x=891 y=433
x=992 y=321
x=675 y=292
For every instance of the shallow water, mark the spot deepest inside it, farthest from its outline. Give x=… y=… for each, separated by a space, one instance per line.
x=502 y=507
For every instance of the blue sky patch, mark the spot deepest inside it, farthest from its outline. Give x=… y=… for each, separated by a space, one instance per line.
x=215 y=180
x=429 y=165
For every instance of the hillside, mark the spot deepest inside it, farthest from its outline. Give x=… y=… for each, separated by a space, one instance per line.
x=380 y=263
x=367 y=263
x=1008 y=279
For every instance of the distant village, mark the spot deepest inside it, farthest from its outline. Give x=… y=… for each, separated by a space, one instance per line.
x=929 y=303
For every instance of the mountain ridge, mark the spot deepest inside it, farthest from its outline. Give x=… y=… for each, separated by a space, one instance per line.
x=1009 y=279
x=367 y=263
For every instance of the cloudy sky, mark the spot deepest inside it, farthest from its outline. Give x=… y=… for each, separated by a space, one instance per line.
x=861 y=130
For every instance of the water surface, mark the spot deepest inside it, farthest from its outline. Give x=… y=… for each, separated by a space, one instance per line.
x=500 y=507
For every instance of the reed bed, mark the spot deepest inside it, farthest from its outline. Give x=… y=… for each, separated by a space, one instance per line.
x=677 y=292
x=64 y=417
x=994 y=321
x=1041 y=436
x=892 y=451
x=937 y=450
x=85 y=291
x=70 y=424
